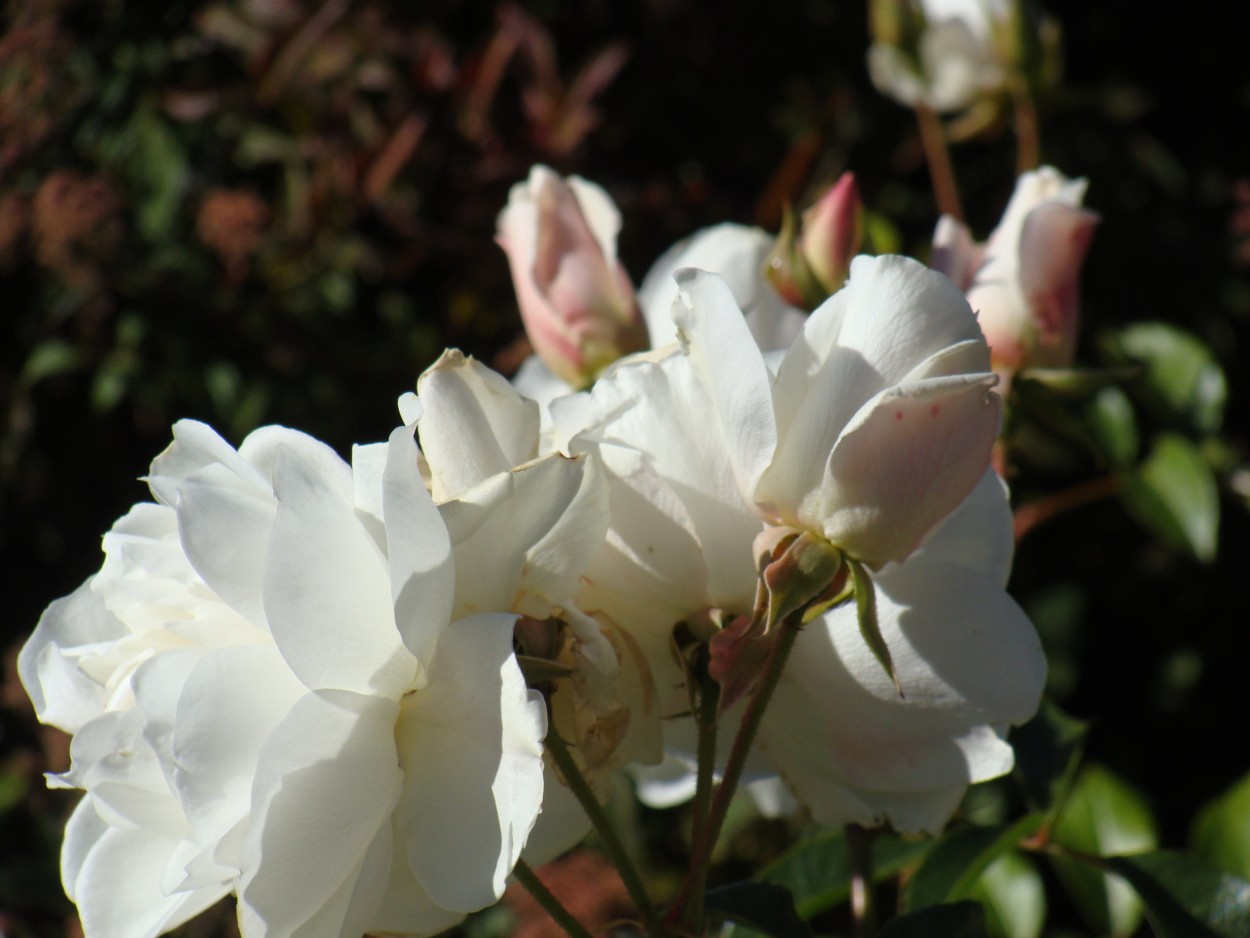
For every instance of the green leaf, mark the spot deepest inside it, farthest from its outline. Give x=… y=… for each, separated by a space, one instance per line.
x=13 y=790
x=869 y=627
x=1048 y=751
x=1182 y=381
x=1096 y=421
x=1173 y=495
x=762 y=907
x=957 y=920
x=951 y=869
x=111 y=381
x=1221 y=832
x=155 y=161
x=223 y=382
x=1184 y=898
x=1013 y=896
x=49 y=358
x=1102 y=816
x=1113 y=426
x=817 y=871
x=260 y=145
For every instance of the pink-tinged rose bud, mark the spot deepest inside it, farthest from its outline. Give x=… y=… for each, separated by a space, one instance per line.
x=1023 y=282
x=832 y=230
x=576 y=300
x=808 y=263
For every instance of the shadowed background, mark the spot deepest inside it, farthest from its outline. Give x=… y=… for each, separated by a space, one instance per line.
x=280 y=211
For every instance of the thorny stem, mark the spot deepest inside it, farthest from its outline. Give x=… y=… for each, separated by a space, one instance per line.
x=585 y=795
x=936 y=154
x=863 y=914
x=1029 y=516
x=788 y=632
x=545 y=898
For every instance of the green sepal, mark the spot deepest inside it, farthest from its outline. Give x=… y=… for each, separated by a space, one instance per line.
x=869 y=627
x=836 y=597
x=788 y=270
x=806 y=570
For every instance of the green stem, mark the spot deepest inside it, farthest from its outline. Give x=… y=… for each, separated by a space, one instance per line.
x=599 y=818
x=936 y=154
x=788 y=632
x=546 y=898
x=709 y=701
x=863 y=914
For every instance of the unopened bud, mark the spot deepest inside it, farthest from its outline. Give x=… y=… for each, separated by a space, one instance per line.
x=1023 y=281
x=799 y=572
x=576 y=300
x=788 y=271
x=809 y=263
x=831 y=233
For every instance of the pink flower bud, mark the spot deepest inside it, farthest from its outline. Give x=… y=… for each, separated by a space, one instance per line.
x=1023 y=281
x=832 y=229
x=576 y=300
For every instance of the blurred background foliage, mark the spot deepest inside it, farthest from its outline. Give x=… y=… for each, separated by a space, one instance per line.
x=280 y=211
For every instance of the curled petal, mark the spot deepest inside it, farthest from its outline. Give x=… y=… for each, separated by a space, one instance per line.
x=224 y=528
x=906 y=462
x=422 y=570
x=62 y=694
x=473 y=424
x=737 y=253
x=731 y=368
x=113 y=875
x=528 y=534
x=893 y=316
x=195 y=446
x=650 y=423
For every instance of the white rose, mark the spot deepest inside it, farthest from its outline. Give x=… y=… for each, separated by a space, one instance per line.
x=876 y=426
x=319 y=736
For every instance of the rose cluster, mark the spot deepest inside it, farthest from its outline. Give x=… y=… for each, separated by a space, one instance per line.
x=330 y=689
